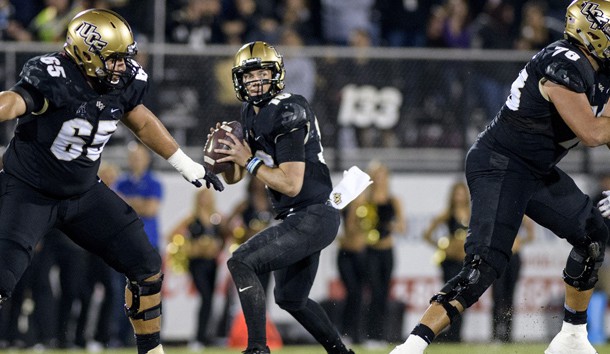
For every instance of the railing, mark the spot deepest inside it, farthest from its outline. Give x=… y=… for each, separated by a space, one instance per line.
x=416 y=109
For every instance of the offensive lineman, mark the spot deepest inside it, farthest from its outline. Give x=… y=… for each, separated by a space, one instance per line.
x=68 y=104
x=557 y=100
x=282 y=148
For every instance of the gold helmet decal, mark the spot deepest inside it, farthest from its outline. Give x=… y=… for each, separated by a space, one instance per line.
x=96 y=35
x=588 y=23
x=91 y=37
x=257 y=55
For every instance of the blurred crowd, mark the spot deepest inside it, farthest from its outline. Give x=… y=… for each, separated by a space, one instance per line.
x=494 y=24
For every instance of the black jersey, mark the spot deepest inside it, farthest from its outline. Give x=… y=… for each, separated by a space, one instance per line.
x=528 y=127
x=271 y=134
x=58 y=152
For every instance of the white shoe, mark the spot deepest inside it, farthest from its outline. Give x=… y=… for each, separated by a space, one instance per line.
x=400 y=349
x=156 y=350
x=572 y=339
x=413 y=345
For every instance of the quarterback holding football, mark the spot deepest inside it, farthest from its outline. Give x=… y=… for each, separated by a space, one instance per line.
x=282 y=148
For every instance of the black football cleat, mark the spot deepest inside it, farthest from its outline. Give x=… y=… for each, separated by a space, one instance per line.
x=257 y=351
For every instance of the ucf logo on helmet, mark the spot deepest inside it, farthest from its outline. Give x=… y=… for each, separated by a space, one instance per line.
x=91 y=37
x=594 y=15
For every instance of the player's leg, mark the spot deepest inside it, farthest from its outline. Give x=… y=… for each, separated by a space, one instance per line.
x=293 y=283
x=25 y=217
x=101 y=222
x=570 y=214
x=277 y=247
x=500 y=190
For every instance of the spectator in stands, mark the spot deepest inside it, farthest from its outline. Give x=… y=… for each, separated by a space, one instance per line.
x=50 y=24
x=450 y=253
x=339 y=20
x=387 y=220
x=303 y=16
x=434 y=27
x=456 y=27
x=403 y=23
x=197 y=23
x=537 y=29
x=10 y=28
x=204 y=231
x=503 y=289
x=302 y=69
x=247 y=21
x=494 y=28
x=141 y=189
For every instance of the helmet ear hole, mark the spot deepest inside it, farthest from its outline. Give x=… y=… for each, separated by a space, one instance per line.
x=87 y=56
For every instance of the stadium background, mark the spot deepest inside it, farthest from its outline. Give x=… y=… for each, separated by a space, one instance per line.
x=415 y=109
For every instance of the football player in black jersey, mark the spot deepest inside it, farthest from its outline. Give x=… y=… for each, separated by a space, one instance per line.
x=282 y=148
x=558 y=100
x=68 y=104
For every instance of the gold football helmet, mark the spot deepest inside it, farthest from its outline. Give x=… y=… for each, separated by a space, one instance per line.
x=258 y=55
x=587 y=22
x=97 y=35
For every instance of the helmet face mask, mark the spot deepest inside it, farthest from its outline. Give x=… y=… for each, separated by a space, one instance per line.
x=256 y=56
x=99 y=41
x=588 y=23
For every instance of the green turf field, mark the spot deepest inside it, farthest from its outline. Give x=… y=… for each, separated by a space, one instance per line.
x=433 y=349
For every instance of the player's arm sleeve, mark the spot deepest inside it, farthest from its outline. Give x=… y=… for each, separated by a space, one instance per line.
x=291 y=147
x=290 y=133
x=566 y=74
x=35 y=101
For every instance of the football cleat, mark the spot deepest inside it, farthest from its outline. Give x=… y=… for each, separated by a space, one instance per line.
x=413 y=345
x=156 y=350
x=572 y=339
x=402 y=349
x=257 y=351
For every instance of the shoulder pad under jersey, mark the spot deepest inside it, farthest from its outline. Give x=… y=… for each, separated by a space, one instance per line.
x=48 y=74
x=566 y=74
x=291 y=115
x=563 y=63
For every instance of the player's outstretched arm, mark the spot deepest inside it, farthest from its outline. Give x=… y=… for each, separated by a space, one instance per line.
x=576 y=111
x=149 y=129
x=12 y=105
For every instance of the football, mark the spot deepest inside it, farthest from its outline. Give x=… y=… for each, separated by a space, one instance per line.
x=210 y=157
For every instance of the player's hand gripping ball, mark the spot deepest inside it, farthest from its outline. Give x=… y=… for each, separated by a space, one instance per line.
x=210 y=157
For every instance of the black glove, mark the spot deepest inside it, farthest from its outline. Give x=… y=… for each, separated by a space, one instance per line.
x=213 y=180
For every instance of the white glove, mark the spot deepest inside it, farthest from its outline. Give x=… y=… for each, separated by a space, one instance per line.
x=353 y=183
x=189 y=169
x=604 y=205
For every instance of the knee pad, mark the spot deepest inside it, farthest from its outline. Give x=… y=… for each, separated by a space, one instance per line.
x=466 y=287
x=145 y=299
x=583 y=264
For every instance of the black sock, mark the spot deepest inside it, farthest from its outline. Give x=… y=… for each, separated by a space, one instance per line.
x=146 y=342
x=574 y=317
x=423 y=331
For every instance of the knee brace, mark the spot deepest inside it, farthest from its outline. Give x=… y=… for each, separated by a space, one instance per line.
x=144 y=300
x=583 y=264
x=466 y=287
